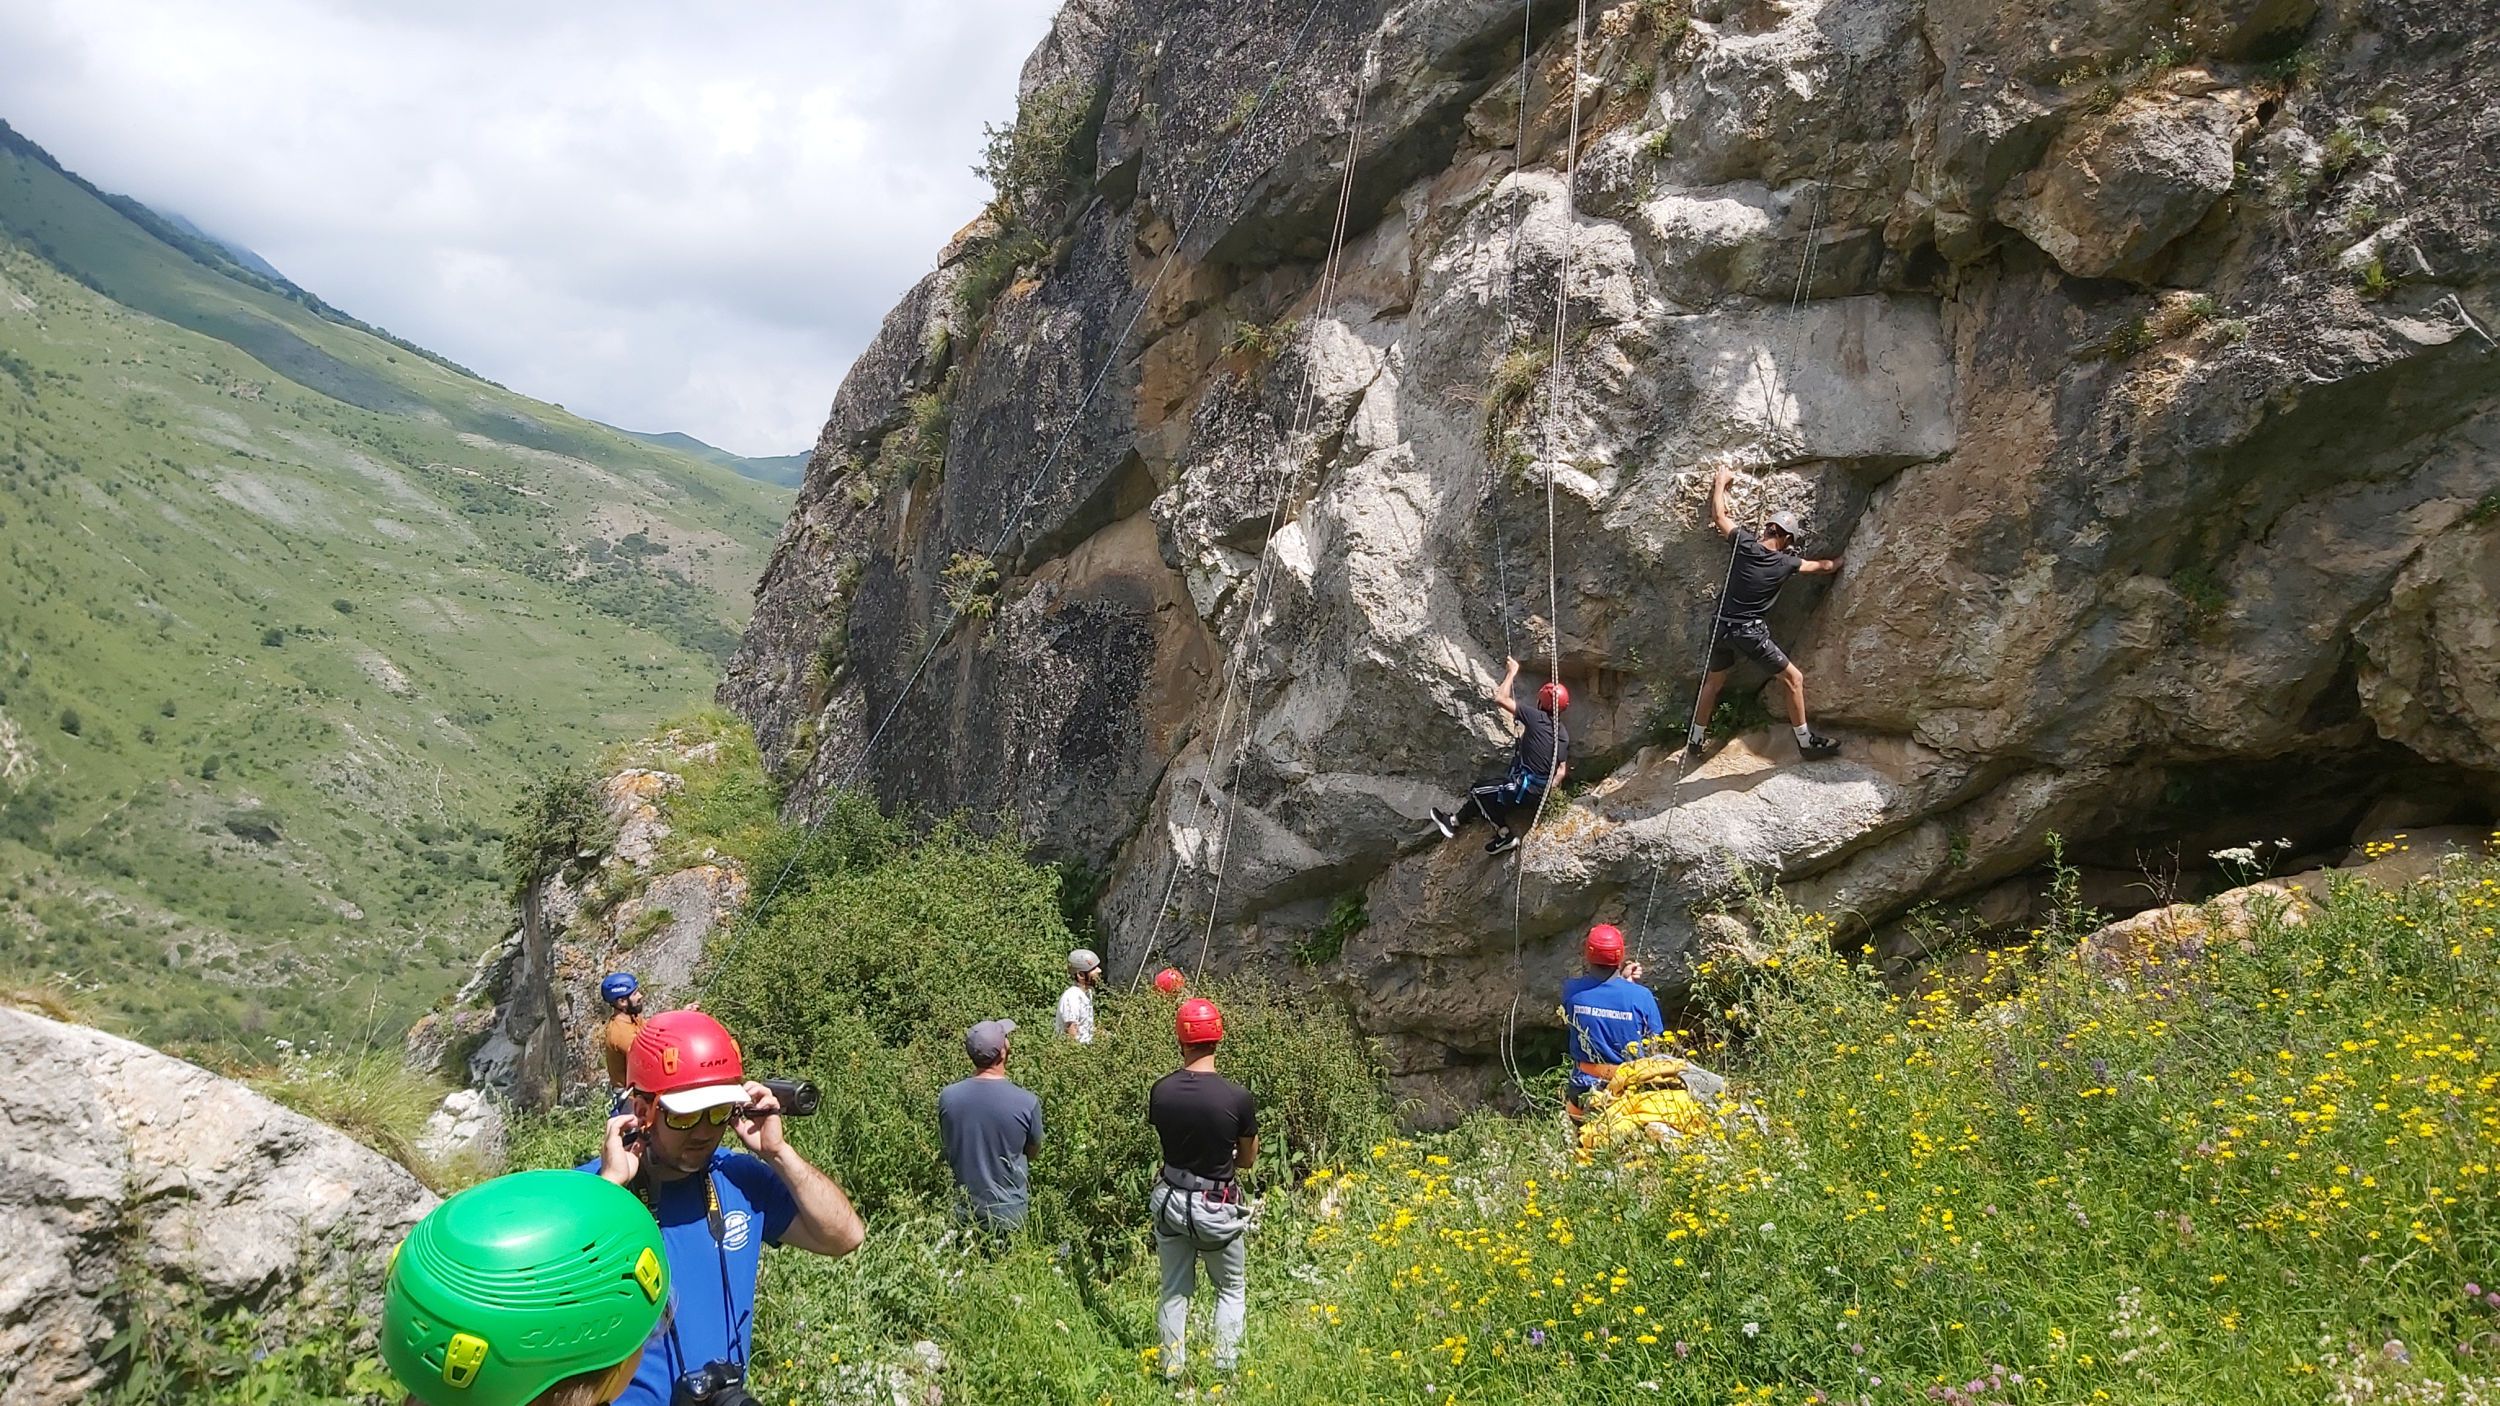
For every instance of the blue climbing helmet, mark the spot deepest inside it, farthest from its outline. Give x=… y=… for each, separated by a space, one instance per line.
x=616 y=986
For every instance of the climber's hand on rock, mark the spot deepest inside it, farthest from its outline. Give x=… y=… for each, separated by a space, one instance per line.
x=618 y=1161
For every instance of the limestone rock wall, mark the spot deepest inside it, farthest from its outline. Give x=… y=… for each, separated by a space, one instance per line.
x=2135 y=355
x=125 y=1172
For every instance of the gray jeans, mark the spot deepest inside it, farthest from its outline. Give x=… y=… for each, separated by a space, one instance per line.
x=1191 y=1231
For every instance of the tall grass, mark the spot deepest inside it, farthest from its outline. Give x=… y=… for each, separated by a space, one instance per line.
x=2255 y=1170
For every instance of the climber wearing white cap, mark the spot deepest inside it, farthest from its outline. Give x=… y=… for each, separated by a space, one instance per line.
x=1076 y=1004
x=1762 y=564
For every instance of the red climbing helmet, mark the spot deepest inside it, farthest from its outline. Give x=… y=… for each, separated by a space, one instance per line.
x=1604 y=947
x=1169 y=981
x=1199 y=1022
x=688 y=1060
x=1553 y=698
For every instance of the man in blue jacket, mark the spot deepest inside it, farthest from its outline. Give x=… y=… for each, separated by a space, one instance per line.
x=1612 y=1017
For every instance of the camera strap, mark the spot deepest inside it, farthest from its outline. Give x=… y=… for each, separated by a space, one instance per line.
x=714 y=1222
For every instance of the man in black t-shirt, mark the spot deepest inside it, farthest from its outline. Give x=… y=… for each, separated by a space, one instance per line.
x=1763 y=563
x=1537 y=763
x=1209 y=1127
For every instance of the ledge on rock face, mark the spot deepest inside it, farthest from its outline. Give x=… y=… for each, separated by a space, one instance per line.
x=124 y=1161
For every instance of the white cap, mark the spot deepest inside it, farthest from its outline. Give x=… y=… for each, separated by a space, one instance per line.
x=685 y=1101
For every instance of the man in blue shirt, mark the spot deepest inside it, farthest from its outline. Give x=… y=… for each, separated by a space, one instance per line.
x=716 y=1210
x=1611 y=1016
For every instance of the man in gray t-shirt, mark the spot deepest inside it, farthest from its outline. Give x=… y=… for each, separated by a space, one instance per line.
x=991 y=1127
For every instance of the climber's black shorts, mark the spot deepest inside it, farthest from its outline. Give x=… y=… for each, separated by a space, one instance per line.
x=1751 y=638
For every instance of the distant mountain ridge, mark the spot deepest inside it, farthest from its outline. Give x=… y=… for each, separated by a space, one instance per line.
x=786 y=470
x=292 y=611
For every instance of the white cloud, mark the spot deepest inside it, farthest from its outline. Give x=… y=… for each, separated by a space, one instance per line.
x=683 y=215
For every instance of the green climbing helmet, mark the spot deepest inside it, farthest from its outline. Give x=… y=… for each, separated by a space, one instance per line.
x=518 y=1283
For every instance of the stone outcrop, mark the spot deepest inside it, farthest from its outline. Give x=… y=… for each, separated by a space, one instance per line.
x=126 y=1173
x=2134 y=356
x=639 y=913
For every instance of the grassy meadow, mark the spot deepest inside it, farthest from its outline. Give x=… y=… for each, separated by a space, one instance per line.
x=289 y=613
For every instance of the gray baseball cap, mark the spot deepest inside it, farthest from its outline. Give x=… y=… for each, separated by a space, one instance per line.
x=1785 y=524
x=987 y=1042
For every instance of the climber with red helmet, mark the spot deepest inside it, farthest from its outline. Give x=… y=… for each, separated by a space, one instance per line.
x=1170 y=982
x=1610 y=1015
x=1209 y=1128
x=716 y=1210
x=1537 y=763
x=1762 y=563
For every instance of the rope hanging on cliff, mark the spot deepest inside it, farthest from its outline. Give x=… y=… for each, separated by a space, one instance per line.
x=1556 y=388
x=1024 y=503
x=1245 y=657
x=1797 y=298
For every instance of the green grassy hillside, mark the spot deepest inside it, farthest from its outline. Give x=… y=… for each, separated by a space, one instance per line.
x=290 y=609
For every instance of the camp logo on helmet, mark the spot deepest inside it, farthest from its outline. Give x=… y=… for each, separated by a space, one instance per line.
x=588 y=1330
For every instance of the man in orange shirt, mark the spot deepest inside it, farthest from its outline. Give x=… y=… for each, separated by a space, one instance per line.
x=624 y=996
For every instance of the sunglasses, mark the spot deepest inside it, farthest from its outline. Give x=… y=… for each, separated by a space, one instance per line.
x=715 y=1115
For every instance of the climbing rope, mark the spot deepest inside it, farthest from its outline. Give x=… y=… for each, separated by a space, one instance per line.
x=1798 y=296
x=1024 y=503
x=1288 y=489
x=1555 y=391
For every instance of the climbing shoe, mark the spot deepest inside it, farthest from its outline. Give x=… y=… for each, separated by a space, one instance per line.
x=1446 y=824
x=1817 y=746
x=1693 y=750
x=1502 y=843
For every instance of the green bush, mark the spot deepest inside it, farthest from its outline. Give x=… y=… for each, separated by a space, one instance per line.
x=866 y=967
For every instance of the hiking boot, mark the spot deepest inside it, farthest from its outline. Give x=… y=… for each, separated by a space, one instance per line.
x=1502 y=843
x=1446 y=824
x=1817 y=746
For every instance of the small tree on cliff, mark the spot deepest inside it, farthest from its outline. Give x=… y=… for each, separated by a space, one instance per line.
x=560 y=830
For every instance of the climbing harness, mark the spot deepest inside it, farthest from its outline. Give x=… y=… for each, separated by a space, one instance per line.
x=1024 y=503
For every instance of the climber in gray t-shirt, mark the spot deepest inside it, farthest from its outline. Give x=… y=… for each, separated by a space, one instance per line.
x=992 y=1127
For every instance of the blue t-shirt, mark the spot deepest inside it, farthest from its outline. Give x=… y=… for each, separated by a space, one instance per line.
x=1609 y=1018
x=703 y=1324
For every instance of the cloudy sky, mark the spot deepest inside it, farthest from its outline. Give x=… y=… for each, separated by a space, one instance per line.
x=667 y=214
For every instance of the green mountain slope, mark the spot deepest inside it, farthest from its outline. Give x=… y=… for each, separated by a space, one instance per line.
x=289 y=608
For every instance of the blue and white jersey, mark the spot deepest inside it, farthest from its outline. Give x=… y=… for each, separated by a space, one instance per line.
x=1609 y=1021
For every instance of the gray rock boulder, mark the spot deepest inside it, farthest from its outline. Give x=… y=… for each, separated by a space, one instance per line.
x=121 y=1167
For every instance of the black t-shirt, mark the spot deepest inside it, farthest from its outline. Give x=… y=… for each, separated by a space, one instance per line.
x=1755 y=580
x=1200 y=1118
x=1543 y=740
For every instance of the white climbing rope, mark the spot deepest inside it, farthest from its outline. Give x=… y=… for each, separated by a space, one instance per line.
x=1556 y=388
x=1245 y=657
x=1024 y=503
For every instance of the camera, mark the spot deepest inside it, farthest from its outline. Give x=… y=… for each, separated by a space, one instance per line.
x=712 y=1384
x=798 y=1098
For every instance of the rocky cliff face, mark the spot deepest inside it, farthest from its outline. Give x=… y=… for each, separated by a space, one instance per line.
x=527 y=1025
x=126 y=1173
x=2134 y=355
